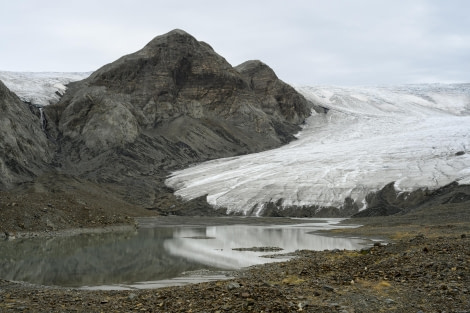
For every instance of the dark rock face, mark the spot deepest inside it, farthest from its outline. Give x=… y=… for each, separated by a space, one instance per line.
x=173 y=103
x=278 y=100
x=24 y=148
x=275 y=209
x=389 y=201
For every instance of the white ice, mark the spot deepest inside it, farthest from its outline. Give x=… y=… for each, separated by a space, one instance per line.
x=413 y=135
x=39 y=88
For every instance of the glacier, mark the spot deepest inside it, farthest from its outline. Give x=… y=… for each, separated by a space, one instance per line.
x=417 y=136
x=40 y=88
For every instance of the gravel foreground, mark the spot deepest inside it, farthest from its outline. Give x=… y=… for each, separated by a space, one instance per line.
x=423 y=269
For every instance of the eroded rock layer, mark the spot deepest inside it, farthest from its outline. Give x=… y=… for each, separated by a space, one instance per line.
x=173 y=103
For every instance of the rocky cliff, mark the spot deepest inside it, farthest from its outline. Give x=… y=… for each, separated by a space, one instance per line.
x=389 y=201
x=170 y=104
x=24 y=148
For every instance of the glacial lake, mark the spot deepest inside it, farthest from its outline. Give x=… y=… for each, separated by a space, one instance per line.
x=163 y=252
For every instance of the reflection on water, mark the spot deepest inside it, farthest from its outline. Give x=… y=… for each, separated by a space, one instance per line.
x=153 y=254
x=218 y=252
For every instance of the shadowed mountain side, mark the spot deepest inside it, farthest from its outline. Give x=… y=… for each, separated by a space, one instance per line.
x=24 y=148
x=389 y=201
x=173 y=103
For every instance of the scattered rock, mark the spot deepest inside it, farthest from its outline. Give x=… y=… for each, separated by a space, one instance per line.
x=233 y=285
x=328 y=288
x=226 y=307
x=389 y=301
x=131 y=296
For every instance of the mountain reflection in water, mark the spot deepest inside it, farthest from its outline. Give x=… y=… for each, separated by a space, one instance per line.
x=154 y=253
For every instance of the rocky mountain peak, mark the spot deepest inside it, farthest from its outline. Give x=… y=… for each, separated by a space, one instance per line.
x=176 y=36
x=176 y=39
x=252 y=68
x=169 y=58
x=172 y=103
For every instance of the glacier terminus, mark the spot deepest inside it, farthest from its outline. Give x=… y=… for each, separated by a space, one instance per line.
x=417 y=136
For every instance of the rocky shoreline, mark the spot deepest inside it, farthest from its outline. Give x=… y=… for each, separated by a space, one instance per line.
x=424 y=268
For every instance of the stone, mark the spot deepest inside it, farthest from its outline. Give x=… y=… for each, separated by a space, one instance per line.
x=10 y=235
x=389 y=301
x=328 y=288
x=233 y=285
x=226 y=307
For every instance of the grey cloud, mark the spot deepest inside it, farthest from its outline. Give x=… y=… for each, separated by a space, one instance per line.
x=306 y=42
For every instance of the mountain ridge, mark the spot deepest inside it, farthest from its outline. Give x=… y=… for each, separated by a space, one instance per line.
x=176 y=103
x=173 y=103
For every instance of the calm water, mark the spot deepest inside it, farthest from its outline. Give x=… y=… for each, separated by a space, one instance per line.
x=159 y=253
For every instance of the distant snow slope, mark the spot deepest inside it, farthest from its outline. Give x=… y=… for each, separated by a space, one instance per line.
x=39 y=88
x=415 y=135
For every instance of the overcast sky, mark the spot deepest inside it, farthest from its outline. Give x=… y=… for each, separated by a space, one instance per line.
x=326 y=42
